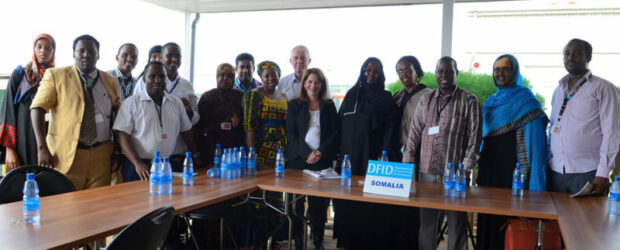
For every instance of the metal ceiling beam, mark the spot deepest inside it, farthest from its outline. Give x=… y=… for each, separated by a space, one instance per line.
x=218 y=6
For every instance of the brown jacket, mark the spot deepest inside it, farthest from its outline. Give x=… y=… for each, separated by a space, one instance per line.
x=60 y=93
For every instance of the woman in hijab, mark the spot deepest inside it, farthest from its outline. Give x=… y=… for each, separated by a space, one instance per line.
x=513 y=132
x=366 y=118
x=16 y=133
x=154 y=56
x=220 y=115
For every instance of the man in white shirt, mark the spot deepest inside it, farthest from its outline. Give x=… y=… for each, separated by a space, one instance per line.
x=290 y=85
x=175 y=84
x=150 y=121
x=179 y=87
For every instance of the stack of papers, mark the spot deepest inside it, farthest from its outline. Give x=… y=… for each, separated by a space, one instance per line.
x=585 y=190
x=328 y=173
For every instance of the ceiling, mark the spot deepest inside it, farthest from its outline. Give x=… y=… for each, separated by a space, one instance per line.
x=215 y=6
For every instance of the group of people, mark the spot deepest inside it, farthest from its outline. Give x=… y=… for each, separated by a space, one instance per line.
x=101 y=123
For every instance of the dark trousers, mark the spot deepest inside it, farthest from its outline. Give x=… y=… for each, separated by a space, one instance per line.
x=429 y=223
x=128 y=170
x=568 y=183
x=317 y=214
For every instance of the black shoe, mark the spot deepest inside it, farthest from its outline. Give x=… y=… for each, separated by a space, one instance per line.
x=319 y=247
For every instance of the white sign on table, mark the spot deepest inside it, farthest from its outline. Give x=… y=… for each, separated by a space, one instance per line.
x=388 y=178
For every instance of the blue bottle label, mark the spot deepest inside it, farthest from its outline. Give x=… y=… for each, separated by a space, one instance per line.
x=346 y=173
x=517 y=185
x=251 y=164
x=279 y=169
x=31 y=204
x=460 y=186
x=155 y=179
x=225 y=166
x=166 y=179
x=614 y=197
x=216 y=160
x=448 y=185
x=188 y=175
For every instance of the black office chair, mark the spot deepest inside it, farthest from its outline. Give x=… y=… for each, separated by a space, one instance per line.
x=148 y=232
x=218 y=211
x=50 y=182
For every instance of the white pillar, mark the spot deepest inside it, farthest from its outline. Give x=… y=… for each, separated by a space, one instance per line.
x=187 y=44
x=446 y=27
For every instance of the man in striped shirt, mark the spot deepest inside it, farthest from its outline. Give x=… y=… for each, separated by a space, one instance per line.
x=447 y=129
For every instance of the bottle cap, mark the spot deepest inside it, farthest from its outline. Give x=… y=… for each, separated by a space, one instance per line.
x=346 y=157
x=218 y=145
x=617 y=178
x=251 y=149
x=518 y=165
x=156 y=160
x=242 y=148
x=461 y=165
x=166 y=160
x=279 y=150
x=30 y=176
x=450 y=165
x=225 y=150
x=188 y=154
x=157 y=153
x=384 y=152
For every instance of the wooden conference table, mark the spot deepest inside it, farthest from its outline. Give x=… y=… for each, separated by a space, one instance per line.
x=72 y=219
x=75 y=218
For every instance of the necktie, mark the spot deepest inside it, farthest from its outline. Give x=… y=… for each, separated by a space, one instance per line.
x=88 y=128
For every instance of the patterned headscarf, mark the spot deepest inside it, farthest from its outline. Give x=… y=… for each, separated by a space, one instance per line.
x=225 y=67
x=267 y=64
x=34 y=70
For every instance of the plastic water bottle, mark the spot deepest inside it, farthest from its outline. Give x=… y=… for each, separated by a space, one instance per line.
x=280 y=164
x=252 y=162
x=31 y=200
x=460 y=185
x=614 y=197
x=242 y=161
x=448 y=182
x=345 y=174
x=166 y=177
x=225 y=165
x=188 y=170
x=384 y=156
x=235 y=163
x=155 y=178
x=517 y=182
x=217 y=157
x=214 y=172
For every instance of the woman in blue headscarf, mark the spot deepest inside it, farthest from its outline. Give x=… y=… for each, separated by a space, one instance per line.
x=513 y=132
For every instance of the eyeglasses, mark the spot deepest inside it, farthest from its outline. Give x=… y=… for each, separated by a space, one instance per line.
x=404 y=71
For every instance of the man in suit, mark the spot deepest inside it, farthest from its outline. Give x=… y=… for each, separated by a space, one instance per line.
x=81 y=101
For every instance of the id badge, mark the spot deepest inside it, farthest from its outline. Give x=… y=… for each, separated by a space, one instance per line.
x=556 y=129
x=433 y=130
x=98 y=118
x=225 y=126
x=162 y=137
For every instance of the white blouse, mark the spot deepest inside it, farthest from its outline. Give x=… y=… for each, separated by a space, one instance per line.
x=313 y=136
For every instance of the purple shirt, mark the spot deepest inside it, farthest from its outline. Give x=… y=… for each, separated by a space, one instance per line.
x=587 y=135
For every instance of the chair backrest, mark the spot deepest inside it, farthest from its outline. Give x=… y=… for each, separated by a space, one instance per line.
x=148 y=232
x=50 y=182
